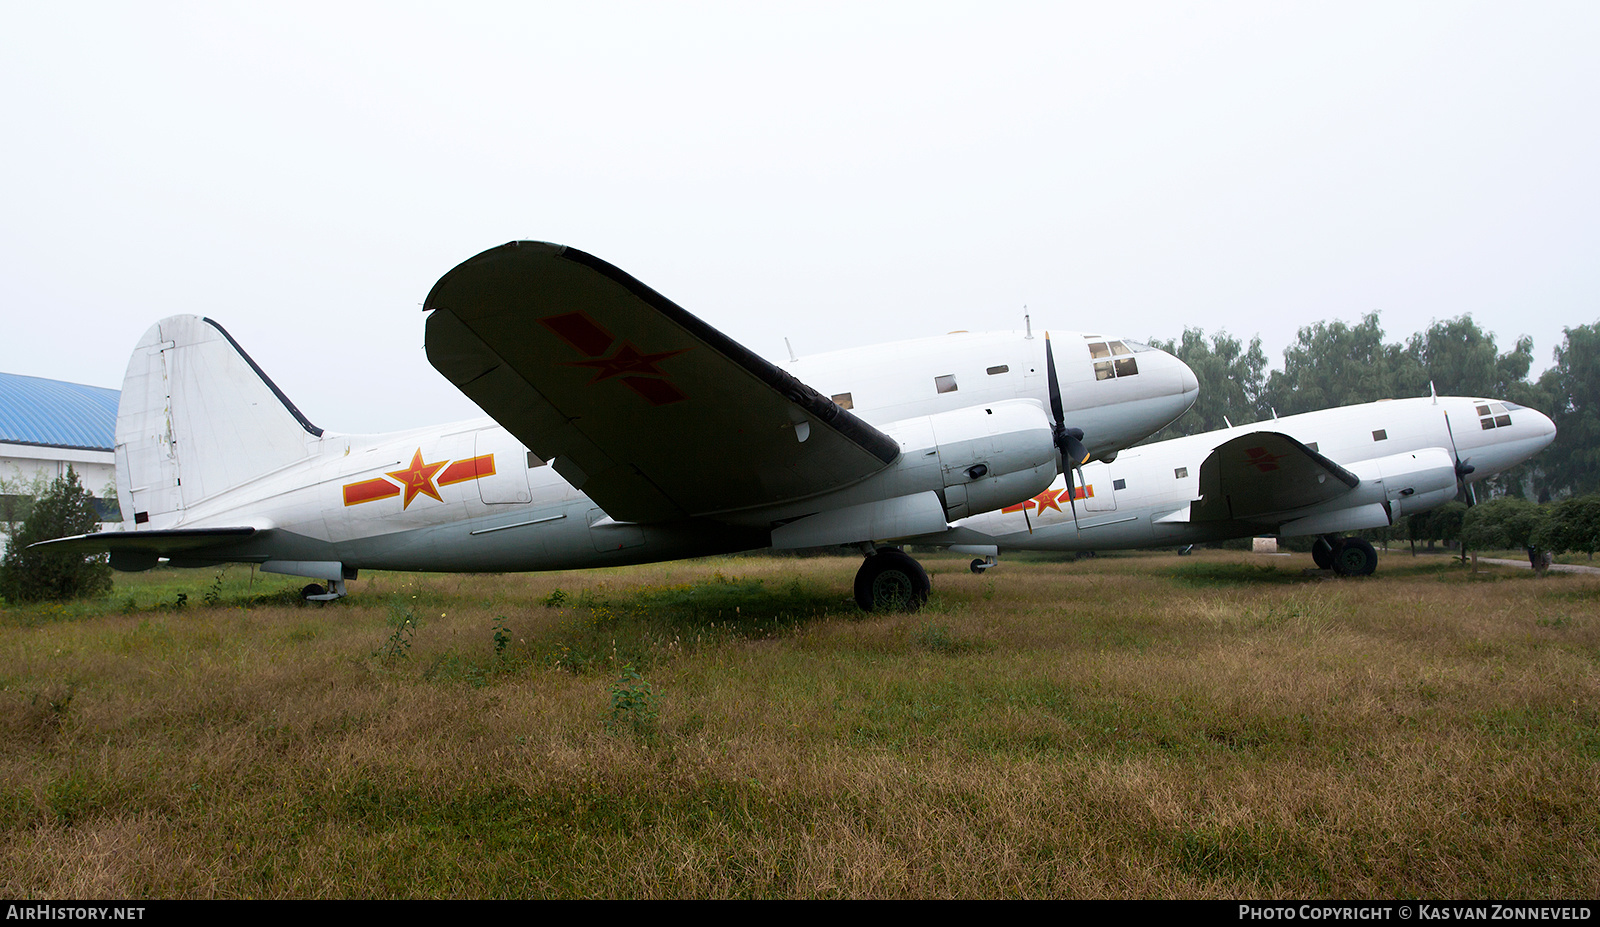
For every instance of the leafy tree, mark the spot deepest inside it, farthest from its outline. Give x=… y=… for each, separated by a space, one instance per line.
x=26 y=575
x=1232 y=377
x=1573 y=524
x=1335 y=364
x=1501 y=524
x=1461 y=359
x=1573 y=386
x=17 y=494
x=1440 y=524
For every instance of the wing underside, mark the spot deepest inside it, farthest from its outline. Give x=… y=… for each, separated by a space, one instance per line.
x=1259 y=474
x=648 y=410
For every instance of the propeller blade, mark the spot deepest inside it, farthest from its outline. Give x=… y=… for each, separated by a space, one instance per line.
x=1068 y=441
x=1056 y=415
x=1461 y=466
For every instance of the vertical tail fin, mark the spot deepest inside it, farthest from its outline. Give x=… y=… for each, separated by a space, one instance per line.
x=198 y=418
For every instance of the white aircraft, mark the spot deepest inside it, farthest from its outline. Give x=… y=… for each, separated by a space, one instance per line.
x=622 y=430
x=1320 y=473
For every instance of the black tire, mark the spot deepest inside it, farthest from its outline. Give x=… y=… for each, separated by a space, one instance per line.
x=1322 y=553
x=1354 y=557
x=978 y=566
x=312 y=589
x=891 y=580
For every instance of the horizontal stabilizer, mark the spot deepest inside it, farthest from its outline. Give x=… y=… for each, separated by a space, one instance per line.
x=140 y=550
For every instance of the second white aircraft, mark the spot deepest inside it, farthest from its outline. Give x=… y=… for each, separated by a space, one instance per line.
x=1321 y=473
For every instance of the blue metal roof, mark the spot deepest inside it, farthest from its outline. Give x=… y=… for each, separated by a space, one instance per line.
x=54 y=413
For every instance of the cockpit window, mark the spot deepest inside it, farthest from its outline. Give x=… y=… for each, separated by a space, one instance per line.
x=1137 y=347
x=1122 y=363
x=1495 y=415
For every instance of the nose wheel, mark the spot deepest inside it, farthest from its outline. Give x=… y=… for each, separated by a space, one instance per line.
x=891 y=580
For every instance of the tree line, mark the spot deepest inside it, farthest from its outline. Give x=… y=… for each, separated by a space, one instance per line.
x=1335 y=364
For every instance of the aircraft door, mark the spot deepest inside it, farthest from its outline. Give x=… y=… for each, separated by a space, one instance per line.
x=1104 y=498
x=503 y=469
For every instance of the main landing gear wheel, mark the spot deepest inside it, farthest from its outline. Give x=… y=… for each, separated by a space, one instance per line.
x=1354 y=557
x=891 y=580
x=1322 y=553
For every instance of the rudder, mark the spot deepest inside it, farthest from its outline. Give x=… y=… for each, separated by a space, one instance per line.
x=197 y=417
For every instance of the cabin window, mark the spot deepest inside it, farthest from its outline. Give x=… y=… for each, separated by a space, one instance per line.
x=1102 y=370
x=946 y=383
x=1119 y=484
x=1182 y=473
x=842 y=400
x=1382 y=434
x=1118 y=347
x=1098 y=349
x=1126 y=366
x=996 y=371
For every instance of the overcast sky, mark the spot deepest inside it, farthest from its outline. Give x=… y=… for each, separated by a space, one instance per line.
x=840 y=174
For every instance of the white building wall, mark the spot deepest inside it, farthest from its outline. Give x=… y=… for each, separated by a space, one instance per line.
x=24 y=465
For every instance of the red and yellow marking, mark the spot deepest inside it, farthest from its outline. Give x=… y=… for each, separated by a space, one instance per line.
x=419 y=479
x=634 y=368
x=1050 y=499
x=463 y=470
x=1263 y=459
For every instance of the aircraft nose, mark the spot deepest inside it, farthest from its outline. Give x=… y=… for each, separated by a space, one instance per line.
x=1191 y=383
x=1543 y=426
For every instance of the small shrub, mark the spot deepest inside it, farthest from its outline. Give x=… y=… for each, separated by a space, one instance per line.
x=633 y=704
x=402 y=626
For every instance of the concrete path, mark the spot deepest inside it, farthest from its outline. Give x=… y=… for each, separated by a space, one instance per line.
x=1554 y=567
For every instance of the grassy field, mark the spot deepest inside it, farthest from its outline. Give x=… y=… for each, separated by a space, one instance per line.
x=1151 y=726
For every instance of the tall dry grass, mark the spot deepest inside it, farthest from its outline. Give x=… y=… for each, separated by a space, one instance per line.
x=1141 y=726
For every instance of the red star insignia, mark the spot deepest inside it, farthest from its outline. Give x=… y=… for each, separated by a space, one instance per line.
x=418 y=478
x=627 y=359
x=1049 y=499
x=1262 y=460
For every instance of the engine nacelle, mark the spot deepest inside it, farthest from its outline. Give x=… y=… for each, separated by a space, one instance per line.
x=1414 y=481
x=1400 y=484
x=994 y=456
x=966 y=461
